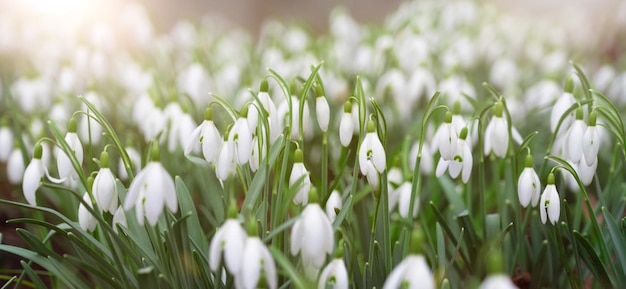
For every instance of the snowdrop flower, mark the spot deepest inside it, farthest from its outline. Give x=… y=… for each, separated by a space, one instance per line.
x=230 y=241
x=104 y=187
x=151 y=190
x=447 y=139
x=257 y=154
x=322 y=110
x=208 y=136
x=294 y=118
x=6 y=143
x=181 y=125
x=333 y=203
x=346 y=126
x=119 y=218
x=591 y=140
x=498 y=281
x=299 y=171
x=497 y=133
x=550 y=203
x=135 y=159
x=225 y=164
x=574 y=142
x=372 y=150
x=65 y=167
x=462 y=162
x=426 y=162
x=86 y=220
x=565 y=101
x=241 y=136
x=587 y=170
x=256 y=261
x=15 y=167
x=334 y=275
x=413 y=272
x=528 y=184
x=32 y=176
x=404 y=200
x=394 y=180
x=272 y=111
x=312 y=236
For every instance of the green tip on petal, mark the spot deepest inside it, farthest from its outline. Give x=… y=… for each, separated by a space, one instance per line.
x=456 y=108
x=463 y=134
x=569 y=85
x=579 y=113
x=264 y=86
x=495 y=263
x=244 y=111
x=208 y=113
x=448 y=118
x=227 y=132
x=155 y=154
x=253 y=228
x=233 y=211
x=72 y=126
x=313 y=197
x=592 y=118
x=38 y=151
x=298 y=156
x=551 y=179
x=347 y=106
x=417 y=238
x=497 y=109
x=319 y=90
x=104 y=159
x=371 y=127
x=528 y=162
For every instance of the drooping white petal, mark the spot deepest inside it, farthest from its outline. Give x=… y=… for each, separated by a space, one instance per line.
x=6 y=143
x=586 y=171
x=335 y=274
x=447 y=141
x=591 y=144
x=442 y=166
x=119 y=218
x=212 y=142
x=562 y=104
x=500 y=136
x=85 y=219
x=528 y=187
x=346 y=129
x=32 y=179
x=105 y=190
x=574 y=144
x=193 y=139
x=468 y=163
x=15 y=167
x=322 y=111
x=404 y=192
x=554 y=209
x=333 y=202
x=298 y=172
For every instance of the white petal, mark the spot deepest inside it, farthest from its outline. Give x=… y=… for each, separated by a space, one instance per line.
x=542 y=205
x=168 y=187
x=500 y=137
x=379 y=157
x=497 y=282
x=104 y=190
x=591 y=144
x=136 y=186
x=394 y=280
x=251 y=269
x=525 y=187
x=193 y=139
x=554 y=209
x=322 y=112
x=15 y=167
x=575 y=141
x=346 y=129
x=468 y=163
x=442 y=166
x=119 y=218
x=6 y=143
x=32 y=180
x=448 y=142
x=211 y=142
x=586 y=171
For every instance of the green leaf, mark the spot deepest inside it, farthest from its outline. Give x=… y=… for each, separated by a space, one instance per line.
x=289 y=269
x=188 y=207
x=33 y=277
x=592 y=260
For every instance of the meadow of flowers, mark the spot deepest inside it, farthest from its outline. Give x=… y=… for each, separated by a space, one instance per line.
x=452 y=146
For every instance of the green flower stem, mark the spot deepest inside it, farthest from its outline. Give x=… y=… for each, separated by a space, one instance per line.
x=325 y=192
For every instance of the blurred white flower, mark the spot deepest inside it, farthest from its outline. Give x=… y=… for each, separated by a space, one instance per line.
x=334 y=275
x=565 y=101
x=104 y=188
x=15 y=166
x=6 y=143
x=371 y=149
x=574 y=143
x=497 y=133
x=151 y=190
x=498 y=281
x=426 y=163
x=86 y=220
x=322 y=111
x=299 y=171
x=32 y=176
x=135 y=165
x=257 y=261
x=587 y=169
x=241 y=136
x=334 y=202
x=447 y=138
x=230 y=240
x=413 y=272
x=312 y=236
x=346 y=126
x=461 y=163
x=404 y=200
x=119 y=218
x=64 y=165
x=195 y=82
x=225 y=164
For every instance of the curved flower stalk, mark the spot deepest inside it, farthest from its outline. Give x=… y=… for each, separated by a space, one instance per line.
x=462 y=162
x=32 y=176
x=299 y=171
x=346 y=126
x=64 y=165
x=497 y=133
x=565 y=101
x=312 y=236
x=550 y=203
x=104 y=188
x=528 y=184
x=151 y=190
x=208 y=136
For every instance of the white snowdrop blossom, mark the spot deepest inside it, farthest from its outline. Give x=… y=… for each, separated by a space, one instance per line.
x=413 y=273
x=135 y=159
x=565 y=101
x=312 y=237
x=150 y=191
x=404 y=200
x=180 y=126
x=32 y=176
x=208 y=136
x=346 y=126
x=586 y=170
x=591 y=140
x=334 y=275
x=6 y=143
x=225 y=164
x=86 y=220
x=461 y=163
x=241 y=136
x=528 y=184
x=294 y=118
x=498 y=281
x=334 y=202
x=394 y=180
x=272 y=112
x=15 y=167
x=104 y=188
x=574 y=142
x=230 y=241
x=372 y=150
x=257 y=261
x=119 y=218
x=322 y=111
x=299 y=171
x=550 y=203
x=447 y=140
x=497 y=133
x=64 y=165
x=426 y=162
